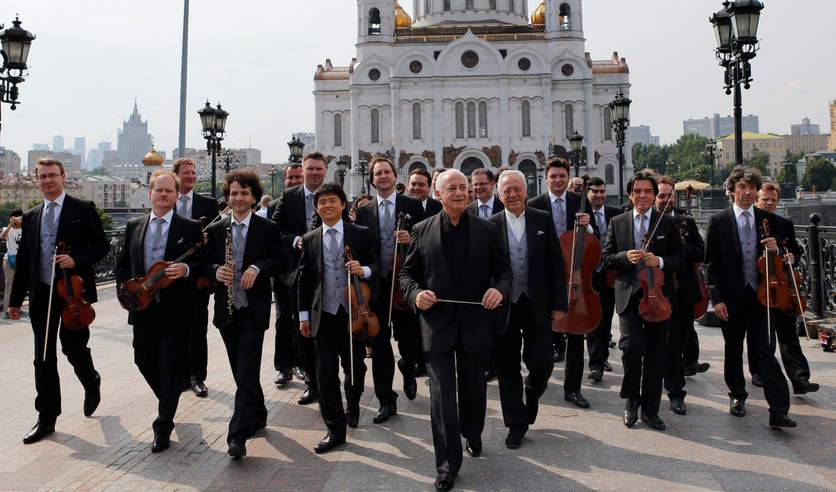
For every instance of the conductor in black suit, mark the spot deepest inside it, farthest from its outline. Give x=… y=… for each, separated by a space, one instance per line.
x=162 y=329
x=538 y=301
x=75 y=222
x=257 y=256
x=204 y=209
x=419 y=187
x=642 y=342
x=454 y=256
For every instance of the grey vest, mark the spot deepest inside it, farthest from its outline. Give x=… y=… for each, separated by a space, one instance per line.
x=518 y=250
x=749 y=248
x=387 y=243
x=47 y=247
x=238 y=248
x=153 y=252
x=334 y=279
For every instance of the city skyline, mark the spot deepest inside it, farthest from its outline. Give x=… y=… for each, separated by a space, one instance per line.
x=265 y=78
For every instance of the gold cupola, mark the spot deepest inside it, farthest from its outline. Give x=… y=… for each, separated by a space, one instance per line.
x=152 y=158
x=539 y=15
x=402 y=19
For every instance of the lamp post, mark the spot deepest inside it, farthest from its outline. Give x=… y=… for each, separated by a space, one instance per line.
x=15 y=43
x=736 y=33
x=711 y=147
x=272 y=173
x=227 y=158
x=530 y=179
x=576 y=142
x=296 y=147
x=363 y=167
x=342 y=167
x=213 y=121
x=541 y=171
x=620 y=110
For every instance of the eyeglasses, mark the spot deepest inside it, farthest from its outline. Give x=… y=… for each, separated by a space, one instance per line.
x=44 y=177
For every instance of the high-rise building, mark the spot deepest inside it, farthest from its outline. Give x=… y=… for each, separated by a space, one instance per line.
x=71 y=162
x=307 y=138
x=95 y=156
x=9 y=162
x=40 y=146
x=805 y=128
x=641 y=134
x=718 y=126
x=133 y=141
x=58 y=143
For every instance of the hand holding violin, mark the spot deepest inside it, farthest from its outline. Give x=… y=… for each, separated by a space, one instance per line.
x=353 y=267
x=651 y=260
x=771 y=244
x=583 y=219
x=176 y=270
x=64 y=261
x=403 y=237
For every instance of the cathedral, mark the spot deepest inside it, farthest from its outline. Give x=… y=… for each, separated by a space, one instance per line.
x=468 y=84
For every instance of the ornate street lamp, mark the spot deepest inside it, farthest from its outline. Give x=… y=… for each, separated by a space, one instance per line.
x=296 y=147
x=342 y=168
x=363 y=167
x=227 y=158
x=14 y=50
x=620 y=110
x=213 y=121
x=541 y=171
x=576 y=142
x=530 y=179
x=711 y=147
x=272 y=173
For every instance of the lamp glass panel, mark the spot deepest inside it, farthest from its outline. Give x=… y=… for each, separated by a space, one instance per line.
x=220 y=120
x=207 y=119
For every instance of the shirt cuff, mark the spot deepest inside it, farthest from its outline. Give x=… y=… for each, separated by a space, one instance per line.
x=661 y=263
x=589 y=229
x=257 y=270
x=367 y=272
x=304 y=316
x=187 y=270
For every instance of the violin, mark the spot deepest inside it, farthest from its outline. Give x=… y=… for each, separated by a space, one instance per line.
x=701 y=307
x=396 y=297
x=771 y=291
x=795 y=304
x=78 y=314
x=138 y=293
x=581 y=254
x=363 y=323
x=654 y=306
x=400 y=188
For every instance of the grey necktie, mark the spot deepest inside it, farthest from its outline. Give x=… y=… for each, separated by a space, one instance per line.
x=387 y=215
x=158 y=232
x=183 y=208
x=640 y=232
x=483 y=211
x=239 y=235
x=602 y=226
x=559 y=216
x=747 y=229
x=333 y=246
x=49 y=217
x=309 y=209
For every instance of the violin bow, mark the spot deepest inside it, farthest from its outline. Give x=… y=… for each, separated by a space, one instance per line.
x=401 y=218
x=795 y=284
x=226 y=211
x=49 y=308
x=658 y=219
x=350 y=327
x=766 y=274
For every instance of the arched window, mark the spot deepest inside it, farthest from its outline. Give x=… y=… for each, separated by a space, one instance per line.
x=416 y=121
x=512 y=6
x=609 y=174
x=483 y=120
x=459 y=120
x=492 y=4
x=471 y=164
x=338 y=130
x=471 y=120
x=570 y=119
x=374 y=22
x=375 y=126
x=468 y=4
x=526 y=119
x=417 y=165
x=528 y=168
x=428 y=7
x=607 y=124
x=446 y=5
x=565 y=17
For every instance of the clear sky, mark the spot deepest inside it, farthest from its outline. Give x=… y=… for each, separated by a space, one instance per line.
x=91 y=59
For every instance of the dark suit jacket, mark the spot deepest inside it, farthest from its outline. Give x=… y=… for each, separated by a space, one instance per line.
x=80 y=228
x=724 y=271
x=689 y=287
x=546 y=272
x=293 y=222
x=573 y=206
x=784 y=230
x=263 y=251
x=433 y=207
x=667 y=244
x=182 y=234
x=367 y=216
x=473 y=207
x=311 y=267
x=204 y=208
x=426 y=268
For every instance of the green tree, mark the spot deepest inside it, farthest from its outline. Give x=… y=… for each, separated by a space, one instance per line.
x=819 y=173
x=206 y=187
x=107 y=220
x=793 y=158
x=122 y=203
x=34 y=203
x=759 y=161
x=648 y=156
x=6 y=212
x=99 y=171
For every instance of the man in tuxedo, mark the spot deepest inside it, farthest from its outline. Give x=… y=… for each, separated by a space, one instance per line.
x=294 y=214
x=538 y=301
x=642 y=342
x=419 y=187
x=576 y=185
x=161 y=331
x=323 y=309
x=75 y=222
x=204 y=209
x=795 y=363
x=242 y=320
x=732 y=249
x=597 y=342
x=564 y=207
x=380 y=216
x=486 y=203
x=688 y=293
x=454 y=256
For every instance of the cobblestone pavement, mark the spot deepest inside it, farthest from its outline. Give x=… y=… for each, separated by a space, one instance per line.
x=567 y=449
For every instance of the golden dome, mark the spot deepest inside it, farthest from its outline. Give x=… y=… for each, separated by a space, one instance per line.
x=402 y=19
x=539 y=15
x=152 y=158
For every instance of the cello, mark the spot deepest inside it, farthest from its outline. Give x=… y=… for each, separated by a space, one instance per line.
x=701 y=307
x=581 y=254
x=78 y=313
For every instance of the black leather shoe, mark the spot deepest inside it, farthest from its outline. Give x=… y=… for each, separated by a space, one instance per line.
x=309 y=396
x=490 y=375
x=38 y=432
x=631 y=415
x=678 y=406
x=352 y=417
x=421 y=370
x=199 y=388
x=576 y=399
x=558 y=357
x=653 y=420
x=514 y=439
x=532 y=407
x=803 y=387
x=299 y=373
x=444 y=482
x=702 y=367
x=92 y=395
x=607 y=367
x=237 y=447
x=161 y=443
x=612 y=344
x=283 y=377
x=757 y=380
x=384 y=413
x=737 y=408
x=330 y=442
x=410 y=387
x=596 y=375
x=781 y=420
x=473 y=448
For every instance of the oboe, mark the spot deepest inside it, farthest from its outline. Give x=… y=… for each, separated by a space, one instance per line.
x=229 y=262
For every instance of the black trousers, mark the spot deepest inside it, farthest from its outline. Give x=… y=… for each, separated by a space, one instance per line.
x=160 y=354
x=332 y=351
x=305 y=346
x=535 y=342
x=573 y=372
x=597 y=342
x=674 y=372
x=244 y=341
x=690 y=340
x=73 y=345
x=795 y=364
x=449 y=371
x=198 y=347
x=750 y=321
x=285 y=355
x=643 y=356
x=407 y=330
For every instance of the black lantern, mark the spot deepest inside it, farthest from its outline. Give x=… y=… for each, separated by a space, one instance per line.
x=207 y=117
x=213 y=121
x=16 y=42
x=620 y=110
x=576 y=142
x=745 y=15
x=620 y=107
x=722 y=30
x=363 y=167
x=296 y=148
x=342 y=168
x=220 y=119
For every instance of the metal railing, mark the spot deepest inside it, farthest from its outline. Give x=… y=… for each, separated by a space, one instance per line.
x=104 y=268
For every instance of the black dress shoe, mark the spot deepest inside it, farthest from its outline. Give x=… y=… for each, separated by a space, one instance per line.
x=490 y=375
x=576 y=399
x=757 y=380
x=384 y=413
x=38 y=432
x=803 y=387
x=421 y=370
x=92 y=395
x=161 y=443
x=309 y=396
x=352 y=415
x=596 y=375
x=299 y=373
x=781 y=420
x=330 y=442
x=612 y=344
x=514 y=439
x=473 y=448
x=237 y=447
x=558 y=356
x=607 y=367
x=653 y=420
x=678 y=406
x=283 y=377
x=702 y=367
x=199 y=388
x=410 y=386
x=737 y=408
x=444 y=482
x=631 y=415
